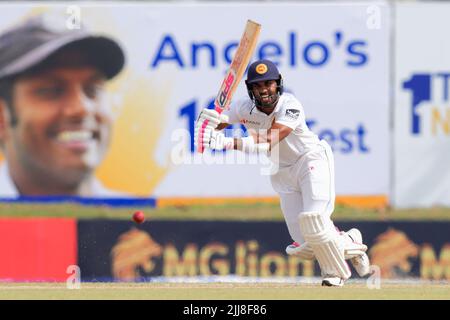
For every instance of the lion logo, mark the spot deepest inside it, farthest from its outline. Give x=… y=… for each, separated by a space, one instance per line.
x=391 y=253
x=135 y=249
x=261 y=68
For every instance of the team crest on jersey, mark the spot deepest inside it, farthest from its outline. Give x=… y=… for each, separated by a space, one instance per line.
x=261 y=68
x=292 y=113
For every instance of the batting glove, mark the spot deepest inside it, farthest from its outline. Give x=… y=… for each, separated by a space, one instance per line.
x=213 y=117
x=206 y=122
x=214 y=140
x=219 y=142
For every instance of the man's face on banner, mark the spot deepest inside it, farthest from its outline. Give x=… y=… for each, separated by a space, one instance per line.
x=63 y=119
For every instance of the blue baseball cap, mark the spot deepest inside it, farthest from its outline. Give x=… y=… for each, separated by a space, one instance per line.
x=262 y=70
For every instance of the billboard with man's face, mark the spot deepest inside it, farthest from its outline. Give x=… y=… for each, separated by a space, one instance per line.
x=333 y=58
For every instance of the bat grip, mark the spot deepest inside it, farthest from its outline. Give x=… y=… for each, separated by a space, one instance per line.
x=218 y=108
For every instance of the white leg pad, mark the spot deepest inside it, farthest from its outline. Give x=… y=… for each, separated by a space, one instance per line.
x=353 y=250
x=304 y=251
x=320 y=233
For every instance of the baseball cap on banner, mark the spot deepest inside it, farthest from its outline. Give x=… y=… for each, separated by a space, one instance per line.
x=30 y=43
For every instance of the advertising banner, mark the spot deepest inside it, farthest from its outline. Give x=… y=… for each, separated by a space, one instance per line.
x=333 y=58
x=37 y=249
x=118 y=250
x=422 y=106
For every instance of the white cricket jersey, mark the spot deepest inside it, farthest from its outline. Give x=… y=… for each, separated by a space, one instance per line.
x=288 y=112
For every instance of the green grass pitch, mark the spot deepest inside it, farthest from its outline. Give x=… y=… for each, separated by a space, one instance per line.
x=223 y=291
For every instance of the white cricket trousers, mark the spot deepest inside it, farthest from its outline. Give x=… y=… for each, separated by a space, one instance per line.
x=306 y=186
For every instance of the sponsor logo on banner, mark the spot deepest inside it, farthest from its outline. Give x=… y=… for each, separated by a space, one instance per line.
x=398 y=251
x=435 y=267
x=430 y=107
x=134 y=249
x=137 y=252
x=391 y=252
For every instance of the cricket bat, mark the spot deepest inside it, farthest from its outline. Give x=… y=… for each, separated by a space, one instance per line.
x=235 y=72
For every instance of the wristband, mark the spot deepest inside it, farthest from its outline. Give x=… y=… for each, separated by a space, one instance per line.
x=249 y=146
x=228 y=143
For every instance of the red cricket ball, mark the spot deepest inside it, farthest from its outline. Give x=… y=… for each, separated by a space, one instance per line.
x=138 y=217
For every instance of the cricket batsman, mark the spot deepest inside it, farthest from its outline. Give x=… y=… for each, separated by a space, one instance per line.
x=305 y=176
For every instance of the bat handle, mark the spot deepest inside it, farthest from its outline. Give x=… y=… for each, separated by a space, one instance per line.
x=218 y=108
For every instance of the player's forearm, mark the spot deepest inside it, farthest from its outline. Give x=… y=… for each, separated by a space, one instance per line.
x=273 y=136
x=265 y=138
x=262 y=141
x=248 y=145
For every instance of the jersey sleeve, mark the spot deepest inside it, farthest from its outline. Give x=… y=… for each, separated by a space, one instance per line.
x=291 y=114
x=232 y=112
